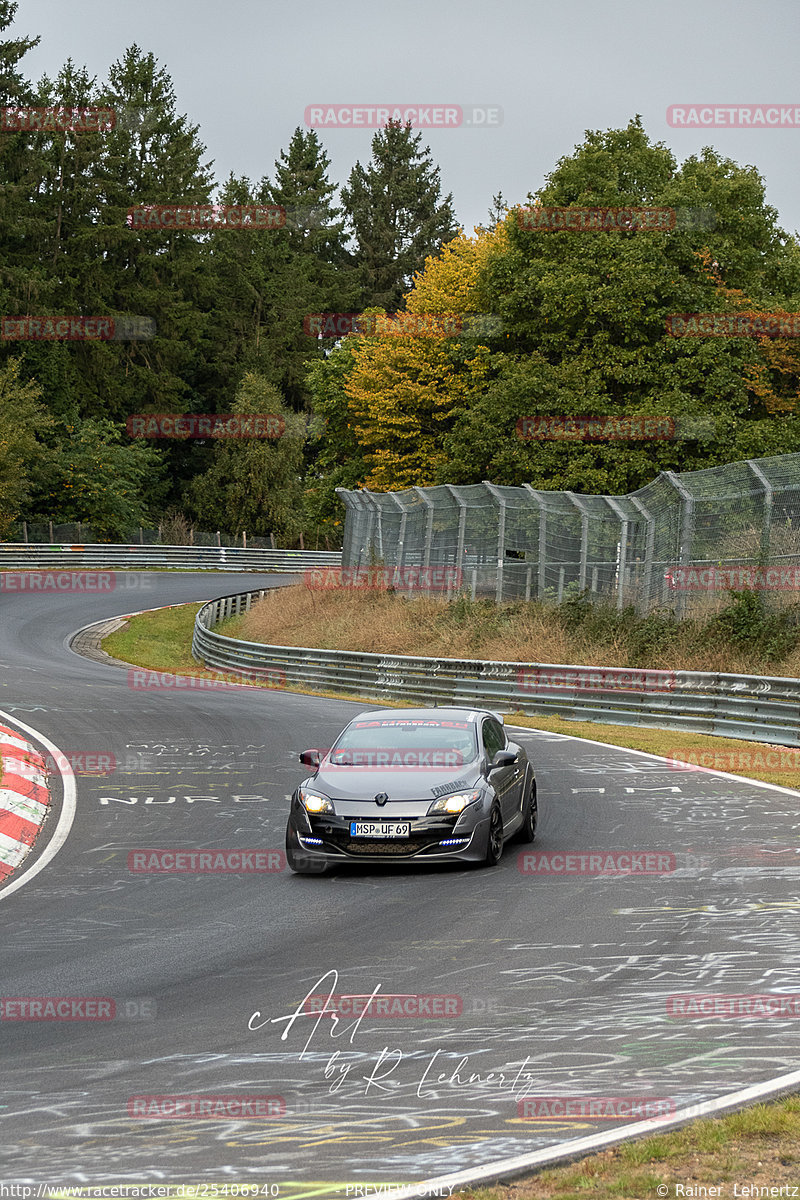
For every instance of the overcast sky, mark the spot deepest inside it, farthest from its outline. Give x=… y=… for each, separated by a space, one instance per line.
x=245 y=71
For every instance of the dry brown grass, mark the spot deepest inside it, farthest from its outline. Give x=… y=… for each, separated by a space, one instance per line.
x=380 y=622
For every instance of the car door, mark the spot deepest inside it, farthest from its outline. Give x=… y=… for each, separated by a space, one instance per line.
x=504 y=780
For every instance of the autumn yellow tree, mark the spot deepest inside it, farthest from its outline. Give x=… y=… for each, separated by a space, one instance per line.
x=409 y=374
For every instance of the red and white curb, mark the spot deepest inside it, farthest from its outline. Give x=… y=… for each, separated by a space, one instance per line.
x=24 y=799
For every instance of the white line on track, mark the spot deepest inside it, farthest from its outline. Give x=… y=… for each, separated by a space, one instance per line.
x=570 y=737
x=68 y=807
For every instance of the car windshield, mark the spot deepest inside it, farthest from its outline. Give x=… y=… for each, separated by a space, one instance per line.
x=411 y=742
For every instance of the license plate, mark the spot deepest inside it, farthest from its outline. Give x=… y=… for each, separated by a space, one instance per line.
x=380 y=829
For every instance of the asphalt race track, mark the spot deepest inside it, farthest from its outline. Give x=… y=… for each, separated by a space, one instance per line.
x=561 y=981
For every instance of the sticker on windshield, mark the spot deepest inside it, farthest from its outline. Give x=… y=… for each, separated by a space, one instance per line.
x=409 y=724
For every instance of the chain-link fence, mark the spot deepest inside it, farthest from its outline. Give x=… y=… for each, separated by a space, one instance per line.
x=682 y=542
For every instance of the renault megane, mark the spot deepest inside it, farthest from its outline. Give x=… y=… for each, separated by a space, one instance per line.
x=399 y=785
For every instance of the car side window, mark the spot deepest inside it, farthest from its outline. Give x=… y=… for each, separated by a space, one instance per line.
x=494 y=738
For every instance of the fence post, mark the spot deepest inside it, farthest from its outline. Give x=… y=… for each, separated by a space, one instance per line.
x=687 y=528
x=584 y=540
x=426 y=500
x=51 y=531
x=401 y=538
x=767 y=523
x=219 y=543
x=462 y=528
x=542 y=578
x=376 y=541
x=25 y=531
x=649 y=549
x=623 y=550
x=141 y=536
x=244 y=539
x=501 y=537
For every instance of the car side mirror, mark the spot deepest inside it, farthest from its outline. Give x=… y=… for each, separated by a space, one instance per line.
x=311 y=758
x=503 y=758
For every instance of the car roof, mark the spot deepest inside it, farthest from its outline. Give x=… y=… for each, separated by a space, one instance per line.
x=463 y=714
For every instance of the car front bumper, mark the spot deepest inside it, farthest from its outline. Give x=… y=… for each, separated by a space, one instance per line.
x=327 y=840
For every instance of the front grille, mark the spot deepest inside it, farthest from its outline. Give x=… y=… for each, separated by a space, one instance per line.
x=383 y=847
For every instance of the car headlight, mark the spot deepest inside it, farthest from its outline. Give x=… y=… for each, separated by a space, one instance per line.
x=315 y=802
x=454 y=803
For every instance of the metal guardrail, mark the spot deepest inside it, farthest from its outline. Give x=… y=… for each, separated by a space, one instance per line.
x=92 y=556
x=742 y=706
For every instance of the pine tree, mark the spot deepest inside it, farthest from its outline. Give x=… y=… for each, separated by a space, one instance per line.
x=18 y=175
x=397 y=214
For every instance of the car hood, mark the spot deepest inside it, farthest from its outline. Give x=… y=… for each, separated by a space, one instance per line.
x=399 y=783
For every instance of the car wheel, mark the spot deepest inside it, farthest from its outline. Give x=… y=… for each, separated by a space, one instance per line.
x=494 y=844
x=528 y=829
x=300 y=862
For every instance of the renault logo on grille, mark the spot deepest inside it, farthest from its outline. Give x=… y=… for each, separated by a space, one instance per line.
x=381 y=798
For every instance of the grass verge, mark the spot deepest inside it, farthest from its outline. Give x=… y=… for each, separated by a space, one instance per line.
x=757 y=1148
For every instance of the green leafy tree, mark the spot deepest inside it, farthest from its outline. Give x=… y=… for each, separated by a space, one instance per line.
x=585 y=320
x=255 y=484
x=90 y=473
x=339 y=459
x=397 y=214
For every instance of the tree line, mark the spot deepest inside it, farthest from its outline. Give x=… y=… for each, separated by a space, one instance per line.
x=574 y=320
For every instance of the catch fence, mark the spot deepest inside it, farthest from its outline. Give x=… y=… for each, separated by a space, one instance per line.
x=681 y=542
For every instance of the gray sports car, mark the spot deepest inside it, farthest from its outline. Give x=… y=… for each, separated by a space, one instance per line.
x=423 y=784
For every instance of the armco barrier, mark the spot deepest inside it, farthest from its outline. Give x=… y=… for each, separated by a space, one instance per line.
x=15 y=556
x=742 y=706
